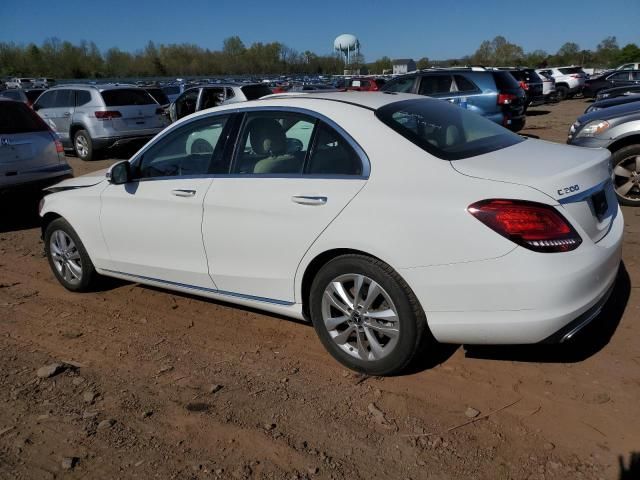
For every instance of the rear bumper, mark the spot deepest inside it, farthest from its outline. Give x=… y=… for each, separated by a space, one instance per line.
x=523 y=297
x=111 y=142
x=35 y=179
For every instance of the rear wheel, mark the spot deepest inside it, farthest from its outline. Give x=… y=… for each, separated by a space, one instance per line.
x=83 y=145
x=67 y=256
x=626 y=175
x=366 y=315
x=562 y=92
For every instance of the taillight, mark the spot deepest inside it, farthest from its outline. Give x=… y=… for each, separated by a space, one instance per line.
x=524 y=86
x=59 y=147
x=535 y=226
x=506 y=98
x=108 y=114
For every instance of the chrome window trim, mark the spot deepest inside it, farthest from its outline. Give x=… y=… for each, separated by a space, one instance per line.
x=364 y=159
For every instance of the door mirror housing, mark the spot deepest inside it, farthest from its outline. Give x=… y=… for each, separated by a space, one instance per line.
x=119 y=173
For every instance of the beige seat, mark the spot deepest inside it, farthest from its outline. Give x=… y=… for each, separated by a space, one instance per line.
x=269 y=140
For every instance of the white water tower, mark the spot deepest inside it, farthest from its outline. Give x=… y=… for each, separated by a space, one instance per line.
x=347 y=45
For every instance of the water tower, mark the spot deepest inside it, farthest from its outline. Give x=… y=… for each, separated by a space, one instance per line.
x=347 y=45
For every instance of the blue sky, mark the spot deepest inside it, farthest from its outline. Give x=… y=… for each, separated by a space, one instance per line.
x=404 y=28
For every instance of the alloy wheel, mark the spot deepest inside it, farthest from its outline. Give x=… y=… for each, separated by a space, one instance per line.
x=626 y=178
x=360 y=317
x=82 y=146
x=66 y=257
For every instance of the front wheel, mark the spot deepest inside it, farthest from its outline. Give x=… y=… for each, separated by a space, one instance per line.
x=67 y=256
x=366 y=315
x=626 y=175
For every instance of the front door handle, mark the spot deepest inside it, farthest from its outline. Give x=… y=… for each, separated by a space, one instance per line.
x=309 y=200
x=183 y=192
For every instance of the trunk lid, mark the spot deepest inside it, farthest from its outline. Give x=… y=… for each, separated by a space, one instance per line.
x=577 y=178
x=137 y=109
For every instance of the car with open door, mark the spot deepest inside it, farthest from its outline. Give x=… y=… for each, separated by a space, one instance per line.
x=364 y=213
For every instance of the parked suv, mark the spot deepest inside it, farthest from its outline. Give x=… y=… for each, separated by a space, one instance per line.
x=18 y=82
x=30 y=153
x=89 y=118
x=548 y=87
x=531 y=83
x=569 y=80
x=494 y=94
x=620 y=78
x=208 y=96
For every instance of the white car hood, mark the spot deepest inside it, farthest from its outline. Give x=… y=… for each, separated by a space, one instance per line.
x=87 y=180
x=560 y=171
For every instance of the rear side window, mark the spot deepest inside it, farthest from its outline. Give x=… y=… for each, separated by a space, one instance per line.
x=82 y=97
x=230 y=93
x=444 y=130
x=435 y=84
x=126 y=96
x=463 y=84
x=505 y=81
x=253 y=92
x=570 y=70
x=400 y=85
x=619 y=76
x=158 y=95
x=64 y=99
x=332 y=155
x=171 y=90
x=18 y=118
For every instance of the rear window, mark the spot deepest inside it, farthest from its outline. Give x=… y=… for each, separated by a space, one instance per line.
x=18 y=118
x=126 y=96
x=571 y=70
x=444 y=130
x=505 y=81
x=158 y=95
x=253 y=92
x=12 y=94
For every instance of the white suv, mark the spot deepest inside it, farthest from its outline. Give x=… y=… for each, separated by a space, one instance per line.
x=569 y=80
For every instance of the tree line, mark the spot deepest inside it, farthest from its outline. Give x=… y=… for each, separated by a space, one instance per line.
x=62 y=59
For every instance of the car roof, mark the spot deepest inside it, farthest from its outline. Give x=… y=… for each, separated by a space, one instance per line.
x=100 y=87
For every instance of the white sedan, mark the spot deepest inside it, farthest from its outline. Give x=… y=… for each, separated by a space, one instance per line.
x=387 y=220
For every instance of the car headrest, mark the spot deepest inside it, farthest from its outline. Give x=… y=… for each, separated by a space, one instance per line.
x=267 y=137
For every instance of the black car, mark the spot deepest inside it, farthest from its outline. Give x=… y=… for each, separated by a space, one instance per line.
x=619 y=78
x=613 y=102
x=617 y=92
x=531 y=83
x=494 y=94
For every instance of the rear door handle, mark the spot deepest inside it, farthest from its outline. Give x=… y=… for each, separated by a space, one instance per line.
x=309 y=200
x=183 y=192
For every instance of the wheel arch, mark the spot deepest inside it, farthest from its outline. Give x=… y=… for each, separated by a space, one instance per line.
x=46 y=220
x=314 y=266
x=75 y=128
x=633 y=139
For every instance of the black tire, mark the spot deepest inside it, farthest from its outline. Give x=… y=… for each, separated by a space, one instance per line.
x=562 y=92
x=62 y=272
x=83 y=145
x=412 y=323
x=619 y=158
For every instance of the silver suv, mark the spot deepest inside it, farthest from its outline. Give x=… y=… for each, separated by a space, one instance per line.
x=89 y=118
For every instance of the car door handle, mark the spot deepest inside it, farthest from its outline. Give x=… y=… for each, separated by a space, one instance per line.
x=183 y=192
x=309 y=200
x=67 y=114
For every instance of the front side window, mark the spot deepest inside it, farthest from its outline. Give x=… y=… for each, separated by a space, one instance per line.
x=273 y=143
x=46 y=100
x=435 y=85
x=400 y=85
x=445 y=131
x=187 y=103
x=211 y=97
x=620 y=76
x=193 y=149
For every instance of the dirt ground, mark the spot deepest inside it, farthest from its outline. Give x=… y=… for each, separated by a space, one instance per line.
x=154 y=384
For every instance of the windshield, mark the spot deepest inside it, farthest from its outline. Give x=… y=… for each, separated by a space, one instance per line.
x=444 y=130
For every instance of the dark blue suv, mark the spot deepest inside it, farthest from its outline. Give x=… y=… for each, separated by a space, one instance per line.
x=494 y=94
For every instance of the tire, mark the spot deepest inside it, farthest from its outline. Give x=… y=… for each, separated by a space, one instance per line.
x=83 y=145
x=67 y=257
x=562 y=92
x=397 y=338
x=626 y=175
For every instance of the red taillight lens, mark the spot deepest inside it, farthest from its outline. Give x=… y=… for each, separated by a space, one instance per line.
x=532 y=225
x=59 y=147
x=108 y=114
x=506 y=98
x=524 y=86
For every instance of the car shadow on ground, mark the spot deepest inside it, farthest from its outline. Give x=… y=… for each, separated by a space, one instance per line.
x=19 y=211
x=589 y=341
x=535 y=113
x=632 y=471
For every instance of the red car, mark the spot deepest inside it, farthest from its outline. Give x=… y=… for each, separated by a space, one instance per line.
x=365 y=84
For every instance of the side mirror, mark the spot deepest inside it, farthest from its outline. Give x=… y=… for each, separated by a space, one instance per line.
x=119 y=173
x=172 y=112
